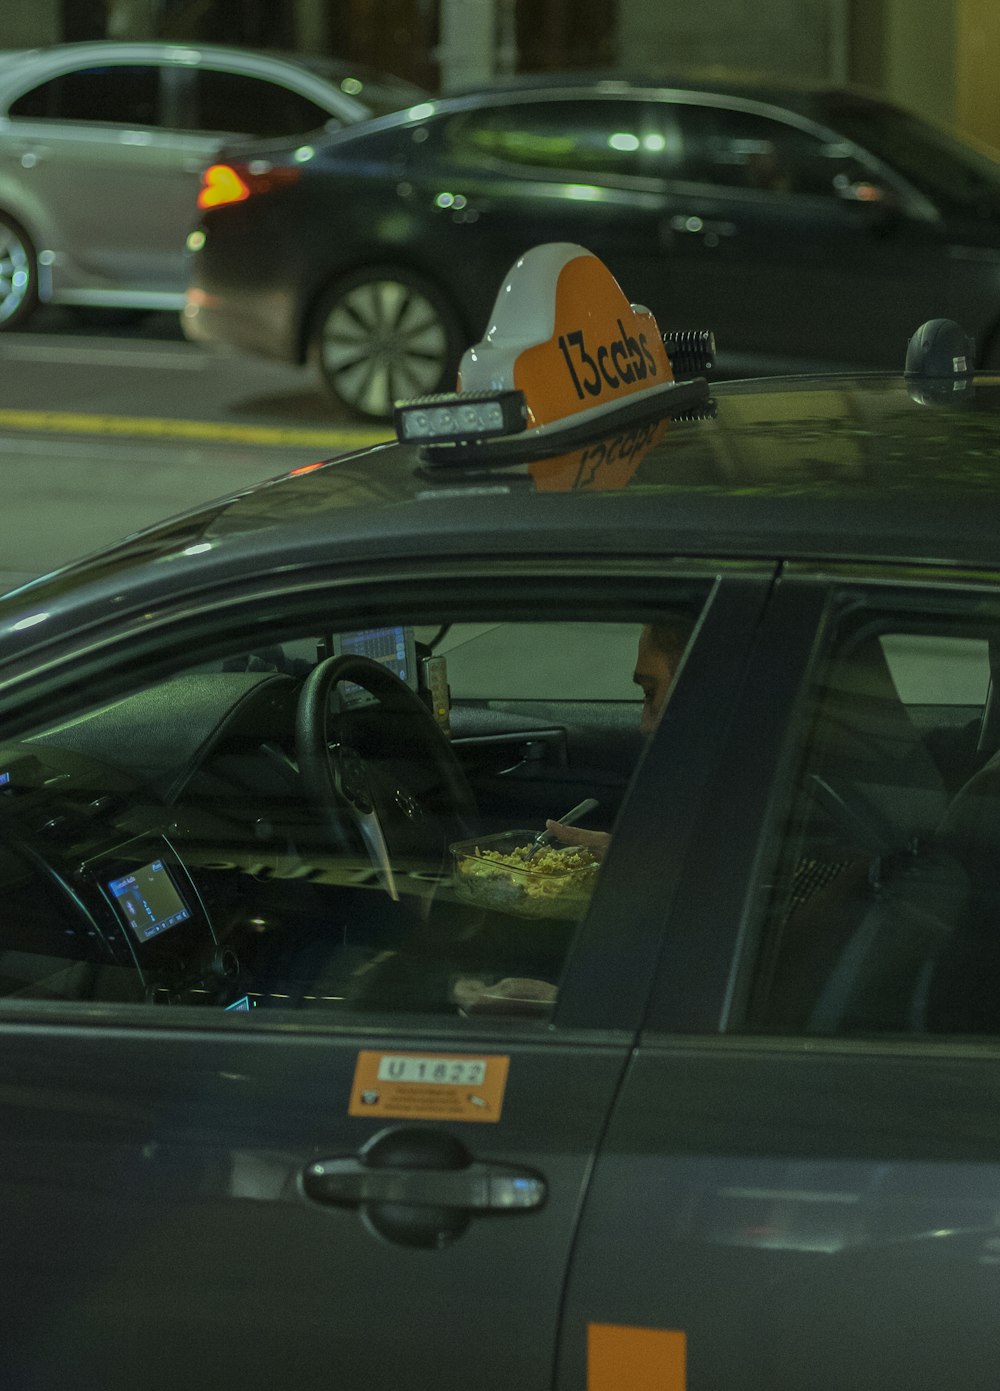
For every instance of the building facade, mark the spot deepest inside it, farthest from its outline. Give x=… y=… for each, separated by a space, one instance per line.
x=938 y=57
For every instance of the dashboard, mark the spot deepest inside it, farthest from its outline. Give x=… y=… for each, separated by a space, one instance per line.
x=106 y=889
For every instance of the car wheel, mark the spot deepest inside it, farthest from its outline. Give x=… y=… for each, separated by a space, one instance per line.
x=18 y=279
x=383 y=335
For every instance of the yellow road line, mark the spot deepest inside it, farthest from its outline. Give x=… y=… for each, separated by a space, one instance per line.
x=71 y=422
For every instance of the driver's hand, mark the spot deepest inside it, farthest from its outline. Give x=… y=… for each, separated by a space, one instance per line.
x=596 y=842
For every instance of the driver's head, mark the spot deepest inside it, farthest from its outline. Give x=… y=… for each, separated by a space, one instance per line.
x=661 y=646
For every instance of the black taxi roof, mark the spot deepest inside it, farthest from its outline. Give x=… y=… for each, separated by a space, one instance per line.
x=839 y=470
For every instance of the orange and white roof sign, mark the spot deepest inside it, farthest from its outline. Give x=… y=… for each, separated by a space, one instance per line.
x=564 y=333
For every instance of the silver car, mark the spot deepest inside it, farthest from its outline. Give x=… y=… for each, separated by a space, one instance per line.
x=102 y=145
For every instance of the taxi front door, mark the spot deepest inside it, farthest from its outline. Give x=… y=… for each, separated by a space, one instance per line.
x=377 y=1200
x=182 y=1207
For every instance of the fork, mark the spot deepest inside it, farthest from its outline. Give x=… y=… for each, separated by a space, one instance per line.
x=570 y=819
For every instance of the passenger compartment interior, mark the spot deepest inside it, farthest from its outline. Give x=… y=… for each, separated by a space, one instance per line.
x=886 y=917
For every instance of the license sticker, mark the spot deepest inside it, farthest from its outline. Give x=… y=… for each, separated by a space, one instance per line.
x=429 y=1086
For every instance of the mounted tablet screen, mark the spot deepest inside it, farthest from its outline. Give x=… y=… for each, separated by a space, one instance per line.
x=392 y=647
x=148 y=900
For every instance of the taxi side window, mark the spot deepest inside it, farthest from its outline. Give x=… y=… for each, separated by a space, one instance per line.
x=883 y=915
x=337 y=822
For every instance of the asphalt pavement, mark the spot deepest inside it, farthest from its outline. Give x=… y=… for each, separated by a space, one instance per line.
x=106 y=428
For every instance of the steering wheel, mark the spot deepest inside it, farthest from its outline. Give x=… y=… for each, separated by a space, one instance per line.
x=384 y=769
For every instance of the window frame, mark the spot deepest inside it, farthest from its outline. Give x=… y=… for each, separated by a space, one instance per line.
x=537 y=591
x=160 y=123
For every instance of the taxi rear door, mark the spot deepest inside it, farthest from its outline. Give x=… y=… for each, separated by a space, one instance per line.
x=778 y=1208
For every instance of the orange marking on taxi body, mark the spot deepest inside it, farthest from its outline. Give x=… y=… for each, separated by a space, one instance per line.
x=622 y=1358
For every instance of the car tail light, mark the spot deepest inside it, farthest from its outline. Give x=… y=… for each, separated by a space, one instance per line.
x=233 y=183
x=220 y=183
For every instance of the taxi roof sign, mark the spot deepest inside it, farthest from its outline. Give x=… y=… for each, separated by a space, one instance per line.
x=564 y=333
x=564 y=347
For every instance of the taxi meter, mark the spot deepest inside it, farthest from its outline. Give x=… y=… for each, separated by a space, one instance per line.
x=565 y=349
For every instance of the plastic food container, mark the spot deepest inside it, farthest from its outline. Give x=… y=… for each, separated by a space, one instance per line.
x=493 y=872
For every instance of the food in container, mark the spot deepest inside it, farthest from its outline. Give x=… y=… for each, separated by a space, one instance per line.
x=494 y=872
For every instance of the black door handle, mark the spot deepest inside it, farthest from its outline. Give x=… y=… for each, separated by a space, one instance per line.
x=478 y=1188
x=421 y=1187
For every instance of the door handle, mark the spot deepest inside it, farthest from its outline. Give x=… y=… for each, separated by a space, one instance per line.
x=478 y=1188
x=421 y=1187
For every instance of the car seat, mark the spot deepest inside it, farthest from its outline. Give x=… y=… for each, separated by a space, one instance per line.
x=961 y=993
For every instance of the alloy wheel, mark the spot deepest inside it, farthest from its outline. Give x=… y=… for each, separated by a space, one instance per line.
x=383 y=340
x=17 y=275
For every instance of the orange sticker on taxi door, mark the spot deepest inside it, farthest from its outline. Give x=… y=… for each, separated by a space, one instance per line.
x=622 y=1358
x=429 y=1086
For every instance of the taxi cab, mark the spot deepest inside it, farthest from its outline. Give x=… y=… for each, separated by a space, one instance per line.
x=322 y=1065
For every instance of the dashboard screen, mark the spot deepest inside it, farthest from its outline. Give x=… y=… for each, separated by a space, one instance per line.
x=148 y=900
x=393 y=647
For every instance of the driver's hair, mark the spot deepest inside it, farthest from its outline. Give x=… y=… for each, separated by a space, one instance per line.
x=671 y=635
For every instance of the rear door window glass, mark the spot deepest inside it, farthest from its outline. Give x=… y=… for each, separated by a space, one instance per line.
x=230 y=101
x=883 y=914
x=120 y=94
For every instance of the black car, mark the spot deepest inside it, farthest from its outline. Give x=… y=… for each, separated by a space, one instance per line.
x=807 y=229
x=319 y=1067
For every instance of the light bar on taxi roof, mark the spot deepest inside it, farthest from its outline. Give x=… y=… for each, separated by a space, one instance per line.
x=565 y=349
x=460 y=415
